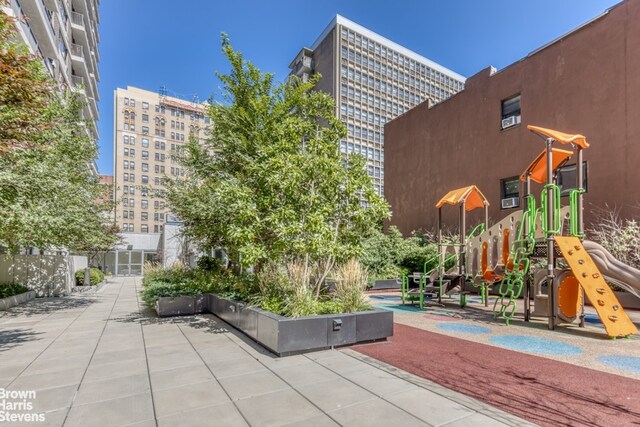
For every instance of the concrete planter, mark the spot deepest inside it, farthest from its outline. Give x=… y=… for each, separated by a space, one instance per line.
x=387 y=284
x=8 y=302
x=285 y=336
x=182 y=306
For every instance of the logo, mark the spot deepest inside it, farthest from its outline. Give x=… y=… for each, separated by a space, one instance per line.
x=17 y=406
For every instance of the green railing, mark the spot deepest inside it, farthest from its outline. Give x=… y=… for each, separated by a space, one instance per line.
x=574 y=212
x=556 y=225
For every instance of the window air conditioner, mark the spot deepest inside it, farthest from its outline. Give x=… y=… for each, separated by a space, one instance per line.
x=510 y=121
x=511 y=202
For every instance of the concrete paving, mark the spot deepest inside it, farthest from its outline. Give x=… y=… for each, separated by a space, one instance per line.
x=102 y=359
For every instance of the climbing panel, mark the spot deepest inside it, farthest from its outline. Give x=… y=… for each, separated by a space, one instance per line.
x=611 y=313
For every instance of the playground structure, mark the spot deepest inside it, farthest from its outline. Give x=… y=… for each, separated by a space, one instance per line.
x=502 y=256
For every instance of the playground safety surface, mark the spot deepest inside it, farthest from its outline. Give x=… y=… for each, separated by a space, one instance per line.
x=570 y=376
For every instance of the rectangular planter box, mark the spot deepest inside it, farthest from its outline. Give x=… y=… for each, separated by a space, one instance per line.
x=182 y=306
x=8 y=302
x=387 y=284
x=285 y=336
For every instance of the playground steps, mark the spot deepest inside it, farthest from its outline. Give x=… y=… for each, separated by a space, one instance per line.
x=611 y=313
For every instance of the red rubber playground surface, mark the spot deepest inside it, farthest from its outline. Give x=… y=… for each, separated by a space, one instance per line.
x=541 y=390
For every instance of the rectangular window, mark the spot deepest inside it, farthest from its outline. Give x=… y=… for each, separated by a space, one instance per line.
x=145 y=155
x=132 y=164
x=145 y=118
x=132 y=152
x=144 y=204
x=145 y=142
x=145 y=106
x=125 y=139
x=145 y=167
x=131 y=214
x=145 y=179
x=144 y=228
x=510 y=112
x=145 y=130
x=125 y=214
x=566 y=178
x=144 y=216
x=510 y=192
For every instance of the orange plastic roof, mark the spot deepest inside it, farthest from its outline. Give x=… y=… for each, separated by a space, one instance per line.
x=538 y=168
x=471 y=195
x=564 y=138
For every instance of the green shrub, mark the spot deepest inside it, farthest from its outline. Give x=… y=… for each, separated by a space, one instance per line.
x=350 y=286
x=156 y=289
x=156 y=272
x=9 y=289
x=95 y=276
x=209 y=263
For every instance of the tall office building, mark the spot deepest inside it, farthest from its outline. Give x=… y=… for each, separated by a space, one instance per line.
x=64 y=33
x=373 y=80
x=150 y=130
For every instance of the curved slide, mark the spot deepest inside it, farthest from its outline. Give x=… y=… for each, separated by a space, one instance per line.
x=622 y=274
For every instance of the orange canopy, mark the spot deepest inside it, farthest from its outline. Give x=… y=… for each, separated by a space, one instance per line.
x=471 y=195
x=538 y=168
x=561 y=137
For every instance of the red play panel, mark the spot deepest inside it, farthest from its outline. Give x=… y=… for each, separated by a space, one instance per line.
x=543 y=391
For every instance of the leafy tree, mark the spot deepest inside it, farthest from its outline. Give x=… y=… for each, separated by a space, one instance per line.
x=47 y=192
x=271 y=183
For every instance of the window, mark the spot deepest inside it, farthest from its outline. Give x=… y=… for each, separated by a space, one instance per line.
x=144 y=204
x=145 y=130
x=132 y=140
x=132 y=190
x=145 y=167
x=144 y=228
x=144 y=216
x=566 y=178
x=510 y=112
x=125 y=139
x=125 y=215
x=126 y=101
x=126 y=152
x=145 y=179
x=510 y=192
x=145 y=155
x=132 y=164
x=145 y=118
x=125 y=177
x=126 y=164
x=132 y=102
x=131 y=214
x=145 y=106
x=125 y=189
x=145 y=142
x=132 y=152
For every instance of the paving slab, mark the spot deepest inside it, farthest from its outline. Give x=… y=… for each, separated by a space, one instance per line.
x=102 y=359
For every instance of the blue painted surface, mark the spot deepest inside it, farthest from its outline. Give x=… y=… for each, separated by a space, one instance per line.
x=385 y=297
x=535 y=345
x=464 y=328
x=626 y=363
x=399 y=308
x=592 y=318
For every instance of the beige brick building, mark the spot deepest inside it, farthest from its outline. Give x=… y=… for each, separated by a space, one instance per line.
x=150 y=130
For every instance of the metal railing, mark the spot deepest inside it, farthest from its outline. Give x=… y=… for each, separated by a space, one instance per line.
x=76 y=50
x=77 y=19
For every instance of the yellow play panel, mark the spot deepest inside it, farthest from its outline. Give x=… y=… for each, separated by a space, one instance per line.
x=615 y=320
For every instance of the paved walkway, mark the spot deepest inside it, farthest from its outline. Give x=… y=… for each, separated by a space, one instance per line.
x=100 y=359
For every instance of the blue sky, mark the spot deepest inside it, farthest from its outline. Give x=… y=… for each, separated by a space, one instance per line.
x=153 y=43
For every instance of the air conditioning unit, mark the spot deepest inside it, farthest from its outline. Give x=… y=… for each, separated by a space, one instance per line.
x=510 y=121
x=511 y=202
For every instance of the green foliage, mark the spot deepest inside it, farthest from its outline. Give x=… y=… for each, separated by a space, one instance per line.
x=383 y=254
x=47 y=193
x=153 y=290
x=9 y=289
x=271 y=183
x=209 y=263
x=96 y=276
x=350 y=286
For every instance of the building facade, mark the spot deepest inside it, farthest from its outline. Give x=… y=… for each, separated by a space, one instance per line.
x=585 y=82
x=372 y=80
x=64 y=33
x=150 y=130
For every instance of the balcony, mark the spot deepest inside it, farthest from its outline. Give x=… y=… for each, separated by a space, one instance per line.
x=78 y=84
x=77 y=20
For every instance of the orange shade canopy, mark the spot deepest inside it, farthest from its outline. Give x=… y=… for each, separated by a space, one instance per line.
x=538 y=168
x=563 y=138
x=471 y=195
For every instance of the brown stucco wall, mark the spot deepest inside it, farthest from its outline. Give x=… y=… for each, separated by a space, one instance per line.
x=588 y=82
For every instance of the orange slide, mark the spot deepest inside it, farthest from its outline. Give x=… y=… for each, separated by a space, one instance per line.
x=615 y=320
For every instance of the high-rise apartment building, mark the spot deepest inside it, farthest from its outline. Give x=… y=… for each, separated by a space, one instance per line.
x=150 y=130
x=373 y=80
x=64 y=33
